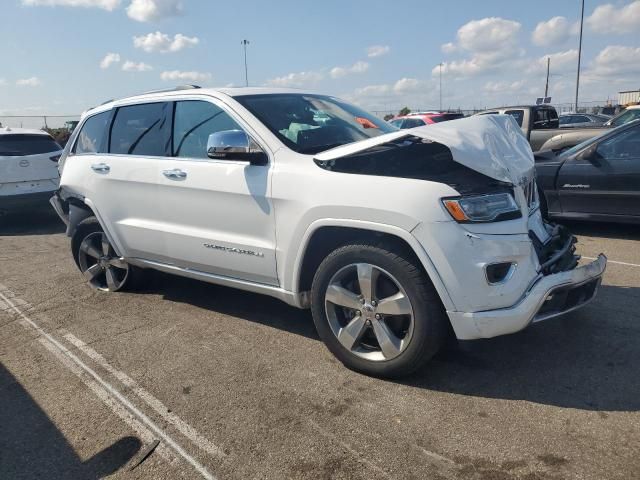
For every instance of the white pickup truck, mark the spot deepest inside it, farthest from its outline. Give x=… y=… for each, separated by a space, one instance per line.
x=394 y=238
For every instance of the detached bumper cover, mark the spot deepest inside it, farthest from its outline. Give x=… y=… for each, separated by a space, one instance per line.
x=549 y=296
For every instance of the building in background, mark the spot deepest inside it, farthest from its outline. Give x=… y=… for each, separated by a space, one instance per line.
x=630 y=97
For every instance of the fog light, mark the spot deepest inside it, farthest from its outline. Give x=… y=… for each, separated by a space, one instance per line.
x=499 y=272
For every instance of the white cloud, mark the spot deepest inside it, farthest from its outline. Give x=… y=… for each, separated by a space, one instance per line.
x=29 y=82
x=609 y=19
x=109 y=59
x=555 y=31
x=130 y=66
x=614 y=62
x=560 y=62
x=407 y=85
x=448 y=47
x=192 y=76
x=154 y=10
x=377 y=50
x=299 y=79
x=108 y=5
x=3 y=82
x=488 y=34
x=504 y=87
x=372 y=91
x=492 y=43
x=163 y=43
x=358 y=67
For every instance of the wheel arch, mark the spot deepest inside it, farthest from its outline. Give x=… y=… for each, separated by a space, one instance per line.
x=324 y=236
x=82 y=208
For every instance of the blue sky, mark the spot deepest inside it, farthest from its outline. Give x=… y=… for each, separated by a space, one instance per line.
x=380 y=54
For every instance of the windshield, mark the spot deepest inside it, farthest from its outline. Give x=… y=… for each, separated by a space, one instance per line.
x=313 y=123
x=625 y=117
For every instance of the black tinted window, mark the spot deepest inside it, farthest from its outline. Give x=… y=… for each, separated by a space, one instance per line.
x=93 y=134
x=518 y=115
x=21 y=145
x=193 y=122
x=140 y=130
x=565 y=120
x=413 y=122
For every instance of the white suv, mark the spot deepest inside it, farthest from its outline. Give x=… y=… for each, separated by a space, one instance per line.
x=28 y=168
x=394 y=239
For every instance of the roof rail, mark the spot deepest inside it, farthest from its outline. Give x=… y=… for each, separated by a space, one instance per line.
x=179 y=87
x=162 y=90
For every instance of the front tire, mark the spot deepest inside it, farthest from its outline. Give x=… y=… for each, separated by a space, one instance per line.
x=377 y=311
x=97 y=260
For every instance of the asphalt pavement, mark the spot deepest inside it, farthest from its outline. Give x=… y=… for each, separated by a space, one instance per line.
x=189 y=380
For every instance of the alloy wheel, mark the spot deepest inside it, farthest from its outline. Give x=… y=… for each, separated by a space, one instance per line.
x=103 y=269
x=369 y=312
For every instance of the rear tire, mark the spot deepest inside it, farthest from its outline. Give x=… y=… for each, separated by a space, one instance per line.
x=387 y=326
x=97 y=260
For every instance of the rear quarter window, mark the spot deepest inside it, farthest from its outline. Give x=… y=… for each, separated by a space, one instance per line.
x=22 y=145
x=92 y=136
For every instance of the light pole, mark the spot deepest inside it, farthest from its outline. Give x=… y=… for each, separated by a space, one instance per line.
x=546 y=87
x=440 y=90
x=579 y=55
x=246 y=76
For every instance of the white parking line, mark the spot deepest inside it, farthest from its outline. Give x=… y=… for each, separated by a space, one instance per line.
x=615 y=262
x=116 y=395
x=145 y=434
x=184 y=428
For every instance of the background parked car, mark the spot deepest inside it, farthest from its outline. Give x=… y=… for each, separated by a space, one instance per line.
x=573 y=120
x=423 y=118
x=541 y=126
x=28 y=168
x=630 y=114
x=596 y=180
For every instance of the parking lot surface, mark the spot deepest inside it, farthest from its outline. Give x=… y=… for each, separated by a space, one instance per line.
x=190 y=380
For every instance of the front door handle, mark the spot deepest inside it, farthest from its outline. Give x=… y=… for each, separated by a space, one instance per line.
x=175 y=174
x=100 y=167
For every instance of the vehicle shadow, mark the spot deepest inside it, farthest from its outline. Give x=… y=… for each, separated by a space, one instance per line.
x=587 y=359
x=619 y=231
x=31 y=446
x=233 y=302
x=43 y=221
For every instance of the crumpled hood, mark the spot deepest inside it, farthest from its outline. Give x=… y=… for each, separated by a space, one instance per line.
x=490 y=144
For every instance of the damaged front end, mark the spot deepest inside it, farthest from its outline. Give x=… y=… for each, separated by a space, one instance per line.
x=503 y=266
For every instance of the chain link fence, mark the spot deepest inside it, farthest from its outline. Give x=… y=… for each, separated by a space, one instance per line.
x=39 y=121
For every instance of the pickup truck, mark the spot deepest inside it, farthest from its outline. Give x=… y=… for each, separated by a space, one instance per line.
x=541 y=126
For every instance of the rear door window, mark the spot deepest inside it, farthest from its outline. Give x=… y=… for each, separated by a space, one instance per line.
x=23 y=145
x=518 y=115
x=193 y=122
x=92 y=138
x=141 y=130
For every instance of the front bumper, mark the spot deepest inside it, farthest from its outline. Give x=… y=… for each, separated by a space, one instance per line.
x=548 y=297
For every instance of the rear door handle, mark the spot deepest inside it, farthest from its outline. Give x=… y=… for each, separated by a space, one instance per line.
x=175 y=174
x=100 y=167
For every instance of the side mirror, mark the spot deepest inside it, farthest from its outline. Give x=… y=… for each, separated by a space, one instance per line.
x=591 y=154
x=235 y=145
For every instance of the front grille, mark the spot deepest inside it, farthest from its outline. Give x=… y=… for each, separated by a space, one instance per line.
x=531 y=195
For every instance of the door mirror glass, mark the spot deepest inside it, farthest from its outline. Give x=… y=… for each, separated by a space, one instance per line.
x=235 y=145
